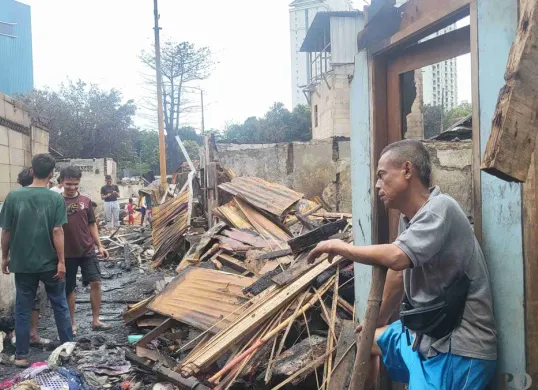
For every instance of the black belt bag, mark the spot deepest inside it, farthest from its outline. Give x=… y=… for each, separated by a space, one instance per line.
x=440 y=317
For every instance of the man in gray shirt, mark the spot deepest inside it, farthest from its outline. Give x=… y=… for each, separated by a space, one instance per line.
x=435 y=249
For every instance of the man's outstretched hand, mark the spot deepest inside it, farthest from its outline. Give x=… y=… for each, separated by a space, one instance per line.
x=331 y=247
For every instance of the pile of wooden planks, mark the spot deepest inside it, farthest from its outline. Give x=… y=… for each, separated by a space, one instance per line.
x=245 y=305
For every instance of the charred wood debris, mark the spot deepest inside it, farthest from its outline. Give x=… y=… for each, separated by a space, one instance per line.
x=244 y=309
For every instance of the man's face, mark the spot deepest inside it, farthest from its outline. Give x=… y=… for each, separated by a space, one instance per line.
x=109 y=182
x=71 y=186
x=391 y=181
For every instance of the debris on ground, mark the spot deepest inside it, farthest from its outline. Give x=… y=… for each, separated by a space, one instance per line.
x=228 y=298
x=245 y=308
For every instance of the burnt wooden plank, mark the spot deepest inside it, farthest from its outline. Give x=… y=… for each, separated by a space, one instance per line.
x=246 y=238
x=275 y=254
x=167 y=324
x=530 y=250
x=345 y=357
x=308 y=240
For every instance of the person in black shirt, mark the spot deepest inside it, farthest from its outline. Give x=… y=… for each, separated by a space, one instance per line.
x=110 y=194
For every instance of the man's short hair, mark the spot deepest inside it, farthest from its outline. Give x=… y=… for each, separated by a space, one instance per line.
x=25 y=177
x=43 y=165
x=108 y=177
x=71 y=172
x=416 y=153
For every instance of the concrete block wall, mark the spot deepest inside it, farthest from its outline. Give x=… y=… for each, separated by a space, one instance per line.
x=452 y=170
x=19 y=141
x=332 y=101
x=315 y=168
x=323 y=168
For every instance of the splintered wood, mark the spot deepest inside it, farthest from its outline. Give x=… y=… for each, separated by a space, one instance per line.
x=515 y=126
x=248 y=322
x=228 y=315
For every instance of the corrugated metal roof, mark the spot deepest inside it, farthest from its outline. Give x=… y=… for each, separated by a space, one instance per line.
x=271 y=197
x=203 y=298
x=171 y=220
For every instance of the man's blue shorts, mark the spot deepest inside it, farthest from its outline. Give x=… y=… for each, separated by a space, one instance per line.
x=442 y=372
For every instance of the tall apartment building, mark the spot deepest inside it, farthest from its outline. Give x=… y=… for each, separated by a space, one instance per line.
x=440 y=81
x=16 y=65
x=302 y=13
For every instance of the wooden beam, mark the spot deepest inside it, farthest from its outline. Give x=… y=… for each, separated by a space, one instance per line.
x=138 y=310
x=310 y=239
x=167 y=324
x=530 y=252
x=422 y=18
x=165 y=373
x=250 y=320
x=345 y=357
x=514 y=126
x=365 y=339
x=441 y=48
x=156 y=356
x=477 y=183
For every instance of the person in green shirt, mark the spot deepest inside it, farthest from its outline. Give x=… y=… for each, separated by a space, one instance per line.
x=32 y=220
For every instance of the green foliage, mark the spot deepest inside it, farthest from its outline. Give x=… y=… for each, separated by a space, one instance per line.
x=85 y=121
x=434 y=117
x=459 y=112
x=147 y=147
x=193 y=149
x=277 y=125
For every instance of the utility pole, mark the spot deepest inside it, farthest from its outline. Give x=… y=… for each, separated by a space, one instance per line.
x=162 y=148
x=202 y=102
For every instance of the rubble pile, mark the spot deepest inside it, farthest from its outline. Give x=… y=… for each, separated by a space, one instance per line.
x=245 y=309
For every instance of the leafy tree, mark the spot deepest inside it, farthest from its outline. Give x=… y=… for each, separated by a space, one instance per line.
x=433 y=117
x=459 y=112
x=181 y=64
x=147 y=147
x=84 y=120
x=277 y=125
x=193 y=149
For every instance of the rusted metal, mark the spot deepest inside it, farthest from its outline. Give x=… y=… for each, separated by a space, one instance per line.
x=171 y=220
x=203 y=298
x=271 y=197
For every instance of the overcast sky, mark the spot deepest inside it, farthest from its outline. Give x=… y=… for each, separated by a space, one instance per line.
x=99 y=41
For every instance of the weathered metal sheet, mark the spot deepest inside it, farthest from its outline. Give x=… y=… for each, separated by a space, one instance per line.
x=242 y=216
x=171 y=220
x=344 y=31
x=271 y=197
x=203 y=298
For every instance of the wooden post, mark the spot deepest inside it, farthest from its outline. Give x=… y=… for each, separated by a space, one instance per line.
x=530 y=251
x=162 y=148
x=365 y=338
x=514 y=127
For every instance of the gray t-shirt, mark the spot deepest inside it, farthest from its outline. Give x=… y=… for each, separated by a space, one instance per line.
x=441 y=245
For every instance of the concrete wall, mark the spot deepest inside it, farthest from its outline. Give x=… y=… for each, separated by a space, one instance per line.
x=452 y=170
x=332 y=103
x=93 y=175
x=502 y=240
x=19 y=141
x=316 y=168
